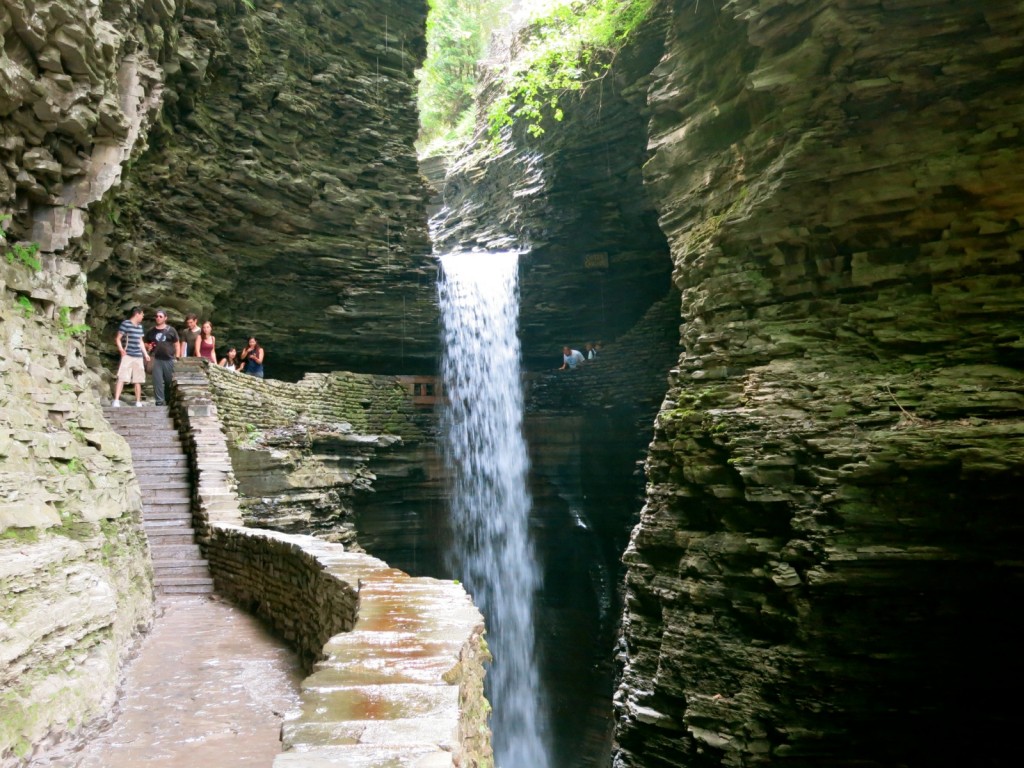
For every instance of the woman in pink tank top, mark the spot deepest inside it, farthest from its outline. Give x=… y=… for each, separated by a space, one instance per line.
x=206 y=343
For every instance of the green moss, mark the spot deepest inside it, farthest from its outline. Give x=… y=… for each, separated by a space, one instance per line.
x=25 y=535
x=79 y=531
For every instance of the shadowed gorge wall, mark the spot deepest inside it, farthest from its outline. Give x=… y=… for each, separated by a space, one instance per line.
x=828 y=192
x=831 y=529
x=593 y=260
x=279 y=193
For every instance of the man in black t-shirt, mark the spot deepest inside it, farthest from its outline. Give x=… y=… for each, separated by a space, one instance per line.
x=162 y=341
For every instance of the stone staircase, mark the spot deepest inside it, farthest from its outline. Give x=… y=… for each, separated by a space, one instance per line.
x=161 y=467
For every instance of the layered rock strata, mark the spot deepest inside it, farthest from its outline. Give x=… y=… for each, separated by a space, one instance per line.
x=78 y=86
x=303 y=452
x=279 y=190
x=594 y=266
x=145 y=93
x=830 y=536
x=572 y=202
x=75 y=579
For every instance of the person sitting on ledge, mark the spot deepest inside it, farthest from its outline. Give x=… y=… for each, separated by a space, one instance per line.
x=570 y=358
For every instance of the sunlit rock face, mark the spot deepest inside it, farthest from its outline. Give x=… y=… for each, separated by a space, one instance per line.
x=279 y=194
x=831 y=533
x=573 y=202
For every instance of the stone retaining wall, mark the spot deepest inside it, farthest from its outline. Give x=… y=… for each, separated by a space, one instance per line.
x=302 y=452
x=397 y=662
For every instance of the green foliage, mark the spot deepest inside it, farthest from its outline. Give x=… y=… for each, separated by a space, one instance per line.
x=572 y=46
x=67 y=329
x=25 y=304
x=251 y=436
x=457 y=35
x=24 y=253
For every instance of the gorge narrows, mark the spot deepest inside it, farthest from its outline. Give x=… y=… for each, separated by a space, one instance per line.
x=484 y=446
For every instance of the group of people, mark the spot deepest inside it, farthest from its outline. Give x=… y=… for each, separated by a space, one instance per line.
x=162 y=344
x=573 y=357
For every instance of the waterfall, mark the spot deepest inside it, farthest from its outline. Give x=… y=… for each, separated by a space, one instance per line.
x=486 y=452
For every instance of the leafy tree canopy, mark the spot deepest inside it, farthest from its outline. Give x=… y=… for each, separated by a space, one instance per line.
x=563 y=45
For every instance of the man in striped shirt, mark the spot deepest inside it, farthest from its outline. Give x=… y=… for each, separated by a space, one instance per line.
x=133 y=354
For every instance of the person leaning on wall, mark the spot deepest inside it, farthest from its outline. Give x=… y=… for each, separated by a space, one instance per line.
x=252 y=358
x=570 y=358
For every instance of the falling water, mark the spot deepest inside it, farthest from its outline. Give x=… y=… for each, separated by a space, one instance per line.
x=490 y=503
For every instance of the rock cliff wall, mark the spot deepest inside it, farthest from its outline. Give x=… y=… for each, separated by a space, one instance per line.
x=279 y=190
x=248 y=161
x=77 y=84
x=830 y=534
x=594 y=266
x=593 y=259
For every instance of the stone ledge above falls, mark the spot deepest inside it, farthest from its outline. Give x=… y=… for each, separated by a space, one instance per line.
x=397 y=661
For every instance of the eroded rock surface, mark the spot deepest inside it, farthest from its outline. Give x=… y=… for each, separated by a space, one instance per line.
x=75 y=581
x=304 y=452
x=249 y=161
x=279 y=190
x=830 y=529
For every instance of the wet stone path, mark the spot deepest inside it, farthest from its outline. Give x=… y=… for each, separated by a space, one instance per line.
x=208 y=689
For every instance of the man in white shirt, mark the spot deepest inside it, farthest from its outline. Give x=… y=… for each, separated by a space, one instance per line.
x=570 y=358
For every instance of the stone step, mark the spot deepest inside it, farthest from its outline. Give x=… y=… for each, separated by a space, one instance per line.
x=168 y=460
x=178 y=521
x=165 y=551
x=140 y=419
x=166 y=510
x=198 y=586
x=198 y=577
x=152 y=460
x=163 y=442
x=165 y=565
x=168 y=492
x=170 y=537
x=179 y=512
x=175 y=478
x=164 y=504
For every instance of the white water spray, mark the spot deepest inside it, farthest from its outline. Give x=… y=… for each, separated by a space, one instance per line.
x=486 y=451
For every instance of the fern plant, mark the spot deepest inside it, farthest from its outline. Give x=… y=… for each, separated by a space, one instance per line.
x=23 y=253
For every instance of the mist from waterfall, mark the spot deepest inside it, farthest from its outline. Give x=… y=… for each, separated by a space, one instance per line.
x=490 y=503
